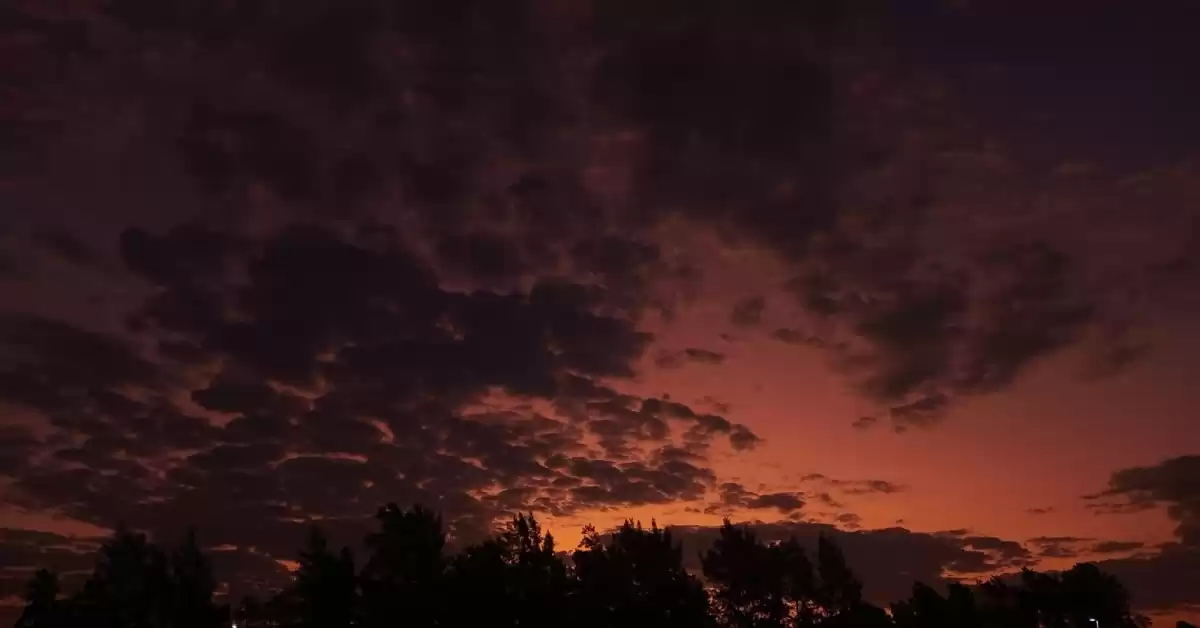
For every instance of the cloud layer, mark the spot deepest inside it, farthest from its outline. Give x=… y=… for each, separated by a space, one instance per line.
x=356 y=252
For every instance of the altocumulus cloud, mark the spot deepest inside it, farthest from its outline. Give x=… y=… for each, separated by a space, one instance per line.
x=587 y=135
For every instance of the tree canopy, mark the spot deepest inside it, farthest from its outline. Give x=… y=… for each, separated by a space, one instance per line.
x=631 y=577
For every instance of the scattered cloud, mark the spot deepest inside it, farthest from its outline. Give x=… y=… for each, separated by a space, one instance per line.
x=855 y=487
x=735 y=497
x=849 y=521
x=796 y=337
x=748 y=312
x=1172 y=483
x=865 y=422
x=1059 y=546
x=691 y=354
x=1116 y=547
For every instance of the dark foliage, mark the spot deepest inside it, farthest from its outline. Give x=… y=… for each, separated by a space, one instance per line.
x=135 y=584
x=631 y=578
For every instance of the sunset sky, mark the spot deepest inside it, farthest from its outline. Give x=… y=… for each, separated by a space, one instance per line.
x=924 y=272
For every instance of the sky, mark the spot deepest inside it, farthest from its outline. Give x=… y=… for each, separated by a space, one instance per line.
x=921 y=275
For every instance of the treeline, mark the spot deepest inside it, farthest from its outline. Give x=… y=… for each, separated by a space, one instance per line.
x=632 y=578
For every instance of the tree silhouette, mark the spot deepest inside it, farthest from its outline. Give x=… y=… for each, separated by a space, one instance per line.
x=926 y=608
x=192 y=586
x=839 y=598
x=765 y=586
x=758 y=585
x=1006 y=605
x=631 y=578
x=515 y=579
x=405 y=571
x=325 y=589
x=636 y=579
x=42 y=608
x=129 y=587
x=1077 y=597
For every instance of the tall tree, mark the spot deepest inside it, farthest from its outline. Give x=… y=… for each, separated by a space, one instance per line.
x=325 y=589
x=404 y=578
x=479 y=573
x=926 y=608
x=757 y=585
x=536 y=575
x=42 y=606
x=839 y=597
x=1080 y=596
x=1002 y=605
x=130 y=586
x=514 y=579
x=636 y=579
x=192 y=586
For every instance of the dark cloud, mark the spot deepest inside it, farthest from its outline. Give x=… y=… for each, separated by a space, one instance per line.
x=923 y=411
x=855 y=487
x=849 y=521
x=720 y=407
x=1006 y=553
x=1059 y=546
x=66 y=247
x=930 y=334
x=796 y=337
x=887 y=560
x=769 y=108
x=742 y=438
x=538 y=142
x=17 y=447
x=348 y=376
x=9 y=268
x=1040 y=510
x=483 y=256
x=1119 y=508
x=825 y=498
x=1174 y=482
x=1157 y=579
x=530 y=139
x=862 y=487
x=734 y=497
x=1162 y=581
x=865 y=422
x=748 y=312
x=691 y=354
x=1116 y=547
x=784 y=502
x=59 y=355
x=227 y=394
